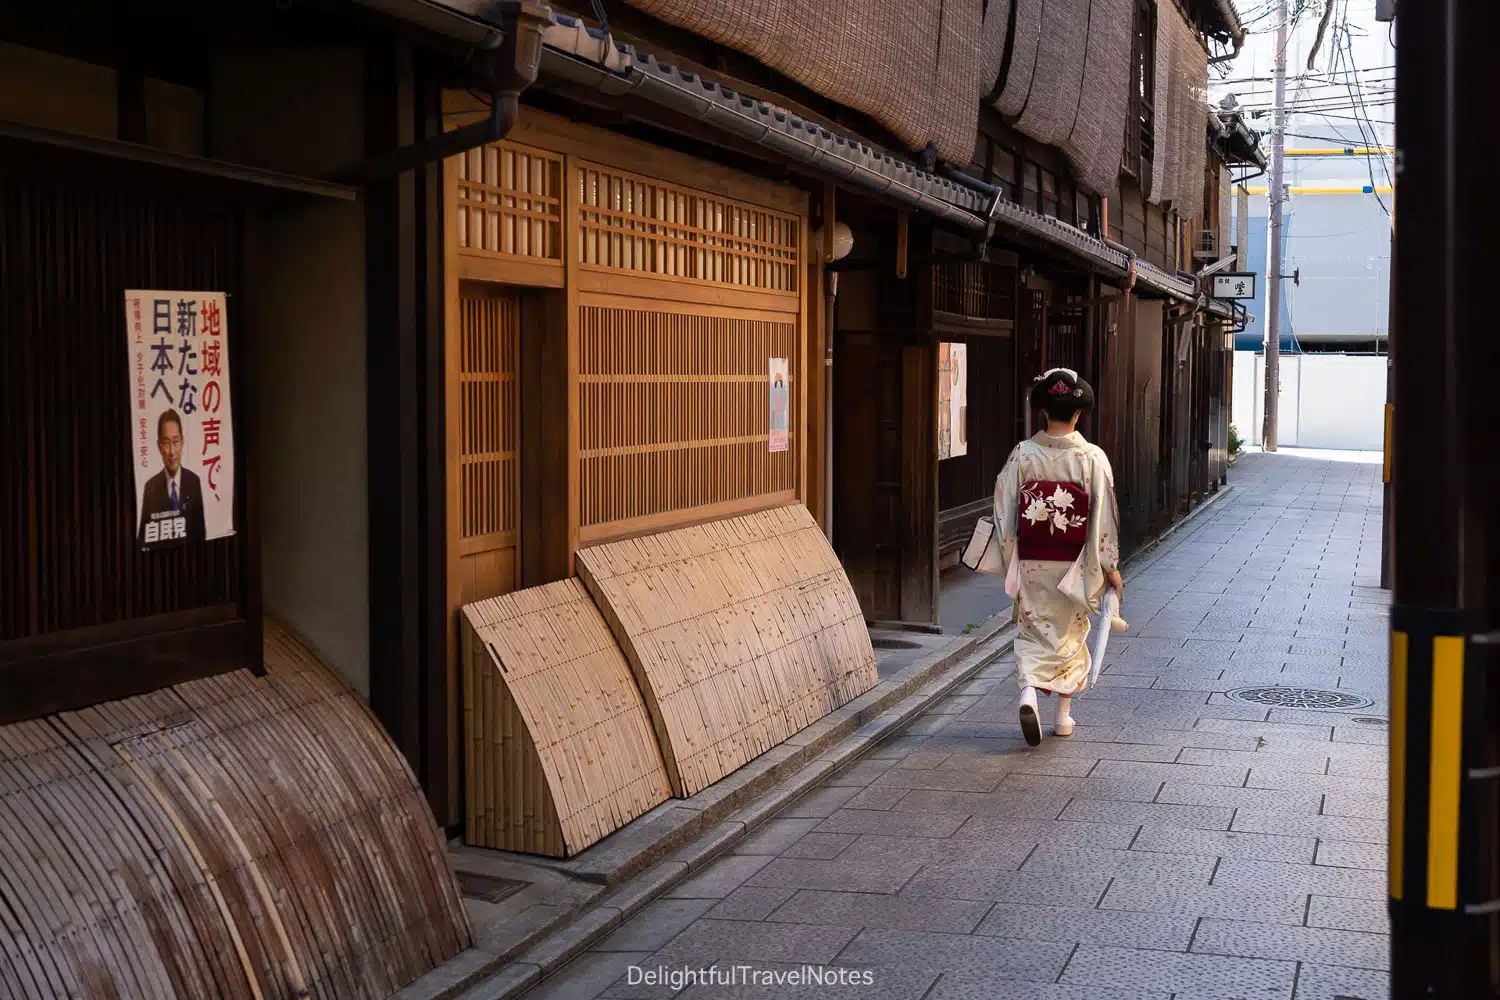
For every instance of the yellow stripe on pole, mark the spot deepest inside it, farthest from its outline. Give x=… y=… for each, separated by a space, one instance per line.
x=1446 y=779
x=1397 y=806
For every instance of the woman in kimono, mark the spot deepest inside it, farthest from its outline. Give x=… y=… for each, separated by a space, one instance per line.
x=1057 y=519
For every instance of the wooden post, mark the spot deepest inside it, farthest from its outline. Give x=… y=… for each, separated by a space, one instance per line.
x=902 y=241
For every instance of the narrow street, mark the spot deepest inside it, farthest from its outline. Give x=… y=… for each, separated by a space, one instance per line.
x=1194 y=840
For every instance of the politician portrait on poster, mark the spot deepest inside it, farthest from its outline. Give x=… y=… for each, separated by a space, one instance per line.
x=181 y=431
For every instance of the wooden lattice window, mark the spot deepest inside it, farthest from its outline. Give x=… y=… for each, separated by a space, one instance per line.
x=631 y=223
x=976 y=289
x=488 y=412
x=674 y=416
x=510 y=202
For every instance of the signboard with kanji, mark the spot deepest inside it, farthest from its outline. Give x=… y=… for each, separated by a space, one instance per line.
x=953 y=402
x=181 y=431
x=1234 y=285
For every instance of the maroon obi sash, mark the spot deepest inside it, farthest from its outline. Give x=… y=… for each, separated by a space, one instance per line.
x=1054 y=521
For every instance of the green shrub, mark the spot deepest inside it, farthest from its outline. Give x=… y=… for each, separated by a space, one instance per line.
x=1234 y=441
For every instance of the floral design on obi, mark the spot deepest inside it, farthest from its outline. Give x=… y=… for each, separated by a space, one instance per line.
x=1054 y=521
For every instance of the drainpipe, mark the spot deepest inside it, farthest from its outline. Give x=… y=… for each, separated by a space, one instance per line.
x=831 y=283
x=511 y=67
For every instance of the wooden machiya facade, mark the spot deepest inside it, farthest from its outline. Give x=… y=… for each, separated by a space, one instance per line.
x=575 y=449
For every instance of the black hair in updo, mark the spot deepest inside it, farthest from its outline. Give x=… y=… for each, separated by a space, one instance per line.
x=1060 y=393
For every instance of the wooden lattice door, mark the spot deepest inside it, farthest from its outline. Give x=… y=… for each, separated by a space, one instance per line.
x=488 y=495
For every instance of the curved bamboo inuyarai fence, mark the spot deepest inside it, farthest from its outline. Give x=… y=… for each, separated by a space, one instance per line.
x=740 y=632
x=560 y=749
x=232 y=837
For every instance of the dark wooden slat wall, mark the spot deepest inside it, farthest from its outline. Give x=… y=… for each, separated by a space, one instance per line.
x=68 y=558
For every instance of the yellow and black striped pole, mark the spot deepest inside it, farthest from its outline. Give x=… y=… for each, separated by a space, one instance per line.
x=1444 y=452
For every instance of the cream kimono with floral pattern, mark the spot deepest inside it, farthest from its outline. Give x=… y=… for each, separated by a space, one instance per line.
x=1052 y=599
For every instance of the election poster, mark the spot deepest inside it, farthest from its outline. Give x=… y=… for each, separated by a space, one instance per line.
x=181 y=429
x=780 y=404
x=953 y=400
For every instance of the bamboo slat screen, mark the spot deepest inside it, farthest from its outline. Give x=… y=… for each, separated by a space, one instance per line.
x=234 y=837
x=740 y=633
x=674 y=412
x=560 y=750
x=68 y=251
x=650 y=227
x=510 y=202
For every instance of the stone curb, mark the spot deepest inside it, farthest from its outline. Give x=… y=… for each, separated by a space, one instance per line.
x=827 y=745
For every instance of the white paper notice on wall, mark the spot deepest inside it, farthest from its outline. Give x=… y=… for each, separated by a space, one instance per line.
x=780 y=382
x=953 y=400
x=181 y=430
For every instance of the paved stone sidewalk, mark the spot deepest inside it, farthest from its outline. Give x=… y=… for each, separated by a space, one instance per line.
x=1182 y=845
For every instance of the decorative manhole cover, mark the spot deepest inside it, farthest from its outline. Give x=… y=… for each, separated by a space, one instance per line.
x=895 y=644
x=489 y=888
x=1295 y=697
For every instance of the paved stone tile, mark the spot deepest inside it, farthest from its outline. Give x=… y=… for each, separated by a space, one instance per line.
x=1179 y=738
x=820 y=846
x=1302 y=944
x=1099 y=835
x=933 y=779
x=721 y=877
x=1149 y=814
x=1354 y=883
x=886 y=875
x=926 y=757
x=984 y=882
x=896 y=747
x=586 y=976
x=655 y=925
x=1195 y=773
x=709 y=941
x=750 y=902
x=1272 y=906
x=999 y=855
x=964 y=986
x=1104 y=750
x=1249 y=978
x=1352 y=854
x=860 y=773
x=840 y=981
x=1044 y=922
x=893 y=823
x=1357 y=805
x=1111 y=789
x=1272 y=778
x=820 y=802
x=875 y=798
x=1300 y=762
x=1263 y=799
x=1000 y=958
x=1326 y=982
x=775 y=835
x=1226 y=844
x=862 y=909
x=1336 y=913
x=1011 y=804
x=1183 y=869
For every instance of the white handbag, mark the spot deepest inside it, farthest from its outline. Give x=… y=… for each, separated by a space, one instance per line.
x=983 y=552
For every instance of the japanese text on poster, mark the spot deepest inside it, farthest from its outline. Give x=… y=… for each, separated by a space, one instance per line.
x=181 y=432
x=780 y=403
x=953 y=400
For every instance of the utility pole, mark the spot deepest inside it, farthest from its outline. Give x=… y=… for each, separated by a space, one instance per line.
x=1275 y=191
x=1445 y=633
